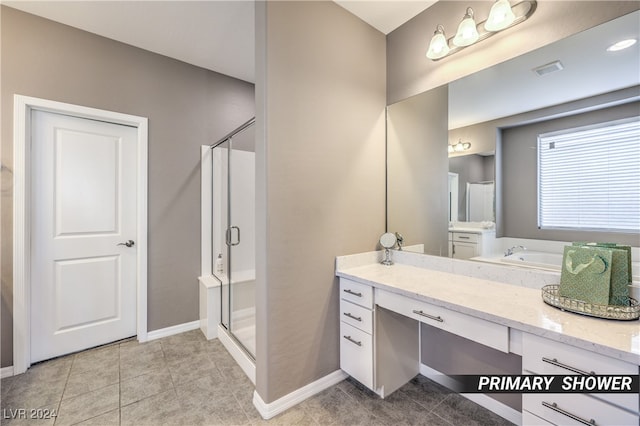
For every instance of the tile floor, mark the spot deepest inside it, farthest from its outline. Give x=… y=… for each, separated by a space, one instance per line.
x=187 y=380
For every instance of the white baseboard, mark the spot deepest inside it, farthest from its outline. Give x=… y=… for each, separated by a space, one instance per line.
x=276 y=407
x=6 y=372
x=504 y=411
x=246 y=364
x=174 y=329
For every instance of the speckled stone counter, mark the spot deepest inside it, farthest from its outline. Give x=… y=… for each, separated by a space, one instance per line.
x=496 y=293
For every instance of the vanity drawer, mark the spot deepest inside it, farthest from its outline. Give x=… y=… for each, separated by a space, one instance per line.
x=544 y=356
x=356 y=316
x=356 y=354
x=476 y=329
x=578 y=405
x=539 y=353
x=360 y=294
x=465 y=237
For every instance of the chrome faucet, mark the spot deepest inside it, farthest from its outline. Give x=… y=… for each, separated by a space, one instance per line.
x=399 y=240
x=514 y=249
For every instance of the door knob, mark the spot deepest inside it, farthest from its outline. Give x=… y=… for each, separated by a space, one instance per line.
x=129 y=243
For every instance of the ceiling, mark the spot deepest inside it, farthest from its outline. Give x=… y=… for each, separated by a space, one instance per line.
x=385 y=16
x=216 y=35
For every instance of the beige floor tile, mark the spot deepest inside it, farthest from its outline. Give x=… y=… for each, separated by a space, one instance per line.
x=89 y=405
x=132 y=350
x=146 y=385
x=184 y=380
x=110 y=418
x=192 y=368
x=175 y=352
x=160 y=409
x=90 y=380
x=30 y=393
x=95 y=359
x=141 y=364
x=202 y=392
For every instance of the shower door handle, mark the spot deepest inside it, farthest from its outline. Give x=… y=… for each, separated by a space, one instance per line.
x=229 y=243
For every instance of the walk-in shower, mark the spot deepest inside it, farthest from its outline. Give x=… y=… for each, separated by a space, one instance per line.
x=233 y=233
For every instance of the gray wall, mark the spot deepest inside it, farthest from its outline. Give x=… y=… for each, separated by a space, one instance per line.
x=187 y=106
x=409 y=72
x=320 y=110
x=417 y=197
x=519 y=177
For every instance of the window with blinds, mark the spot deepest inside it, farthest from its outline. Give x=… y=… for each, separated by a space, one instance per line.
x=589 y=177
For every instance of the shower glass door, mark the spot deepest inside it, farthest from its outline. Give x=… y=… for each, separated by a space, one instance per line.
x=221 y=251
x=234 y=234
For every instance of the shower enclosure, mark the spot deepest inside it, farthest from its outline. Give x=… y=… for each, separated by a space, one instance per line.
x=233 y=232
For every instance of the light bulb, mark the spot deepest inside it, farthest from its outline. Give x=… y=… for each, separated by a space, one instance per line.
x=500 y=16
x=438 y=47
x=467 y=32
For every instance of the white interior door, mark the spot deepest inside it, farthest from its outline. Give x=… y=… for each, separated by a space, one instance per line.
x=83 y=211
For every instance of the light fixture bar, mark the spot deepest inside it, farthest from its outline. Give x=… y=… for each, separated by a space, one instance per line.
x=522 y=12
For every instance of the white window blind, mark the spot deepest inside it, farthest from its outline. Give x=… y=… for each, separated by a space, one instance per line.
x=589 y=177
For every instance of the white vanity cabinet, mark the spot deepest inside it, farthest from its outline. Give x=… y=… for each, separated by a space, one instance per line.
x=468 y=243
x=544 y=356
x=384 y=316
x=464 y=245
x=356 y=331
x=378 y=348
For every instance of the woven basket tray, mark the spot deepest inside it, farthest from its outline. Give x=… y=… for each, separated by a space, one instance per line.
x=550 y=296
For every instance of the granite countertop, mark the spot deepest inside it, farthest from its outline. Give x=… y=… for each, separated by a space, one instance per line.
x=516 y=306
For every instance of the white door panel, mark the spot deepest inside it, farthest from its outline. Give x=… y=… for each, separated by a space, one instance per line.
x=89 y=204
x=83 y=290
x=72 y=283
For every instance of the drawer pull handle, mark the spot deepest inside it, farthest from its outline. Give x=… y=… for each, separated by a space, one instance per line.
x=463 y=238
x=350 y=315
x=553 y=406
x=566 y=367
x=352 y=341
x=346 y=290
x=422 y=314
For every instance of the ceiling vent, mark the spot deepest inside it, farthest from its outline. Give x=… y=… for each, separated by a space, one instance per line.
x=548 y=68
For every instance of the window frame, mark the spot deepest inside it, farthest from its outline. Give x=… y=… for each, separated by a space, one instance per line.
x=544 y=138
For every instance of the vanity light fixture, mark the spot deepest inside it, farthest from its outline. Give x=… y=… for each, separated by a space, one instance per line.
x=467 y=33
x=438 y=47
x=459 y=147
x=623 y=44
x=501 y=16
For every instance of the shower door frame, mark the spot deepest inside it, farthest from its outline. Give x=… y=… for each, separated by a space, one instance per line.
x=228 y=231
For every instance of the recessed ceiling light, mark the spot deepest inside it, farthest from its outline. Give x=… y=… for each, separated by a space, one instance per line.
x=621 y=45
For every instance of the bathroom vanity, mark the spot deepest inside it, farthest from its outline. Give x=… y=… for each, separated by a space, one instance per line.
x=383 y=307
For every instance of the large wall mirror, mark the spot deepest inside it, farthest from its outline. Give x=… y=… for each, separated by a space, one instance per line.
x=572 y=82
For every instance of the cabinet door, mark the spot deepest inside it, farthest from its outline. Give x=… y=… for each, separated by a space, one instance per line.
x=356 y=354
x=464 y=250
